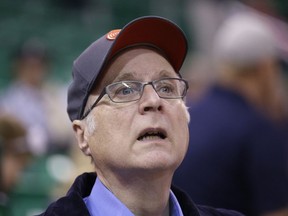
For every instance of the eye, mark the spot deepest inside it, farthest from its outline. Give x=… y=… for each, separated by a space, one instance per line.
x=125 y=91
x=165 y=89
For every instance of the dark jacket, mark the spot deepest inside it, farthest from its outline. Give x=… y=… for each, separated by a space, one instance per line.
x=72 y=204
x=237 y=158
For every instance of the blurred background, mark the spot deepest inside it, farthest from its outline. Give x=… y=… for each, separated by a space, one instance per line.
x=39 y=41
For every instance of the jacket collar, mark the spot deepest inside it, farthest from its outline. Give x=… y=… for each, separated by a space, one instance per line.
x=72 y=204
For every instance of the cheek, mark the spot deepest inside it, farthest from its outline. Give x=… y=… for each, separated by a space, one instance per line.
x=117 y=120
x=183 y=119
x=112 y=126
x=182 y=116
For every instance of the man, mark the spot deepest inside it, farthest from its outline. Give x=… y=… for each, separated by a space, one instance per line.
x=30 y=67
x=236 y=149
x=15 y=156
x=127 y=105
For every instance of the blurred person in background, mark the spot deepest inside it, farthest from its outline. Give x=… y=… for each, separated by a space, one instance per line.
x=237 y=156
x=35 y=101
x=15 y=156
x=204 y=19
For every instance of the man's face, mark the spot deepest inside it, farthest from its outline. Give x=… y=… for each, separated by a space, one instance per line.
x=126 y=135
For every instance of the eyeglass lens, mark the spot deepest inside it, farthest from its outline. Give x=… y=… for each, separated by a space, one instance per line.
x=132 y=90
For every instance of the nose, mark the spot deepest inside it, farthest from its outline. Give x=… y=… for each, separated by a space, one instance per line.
x=150 y=101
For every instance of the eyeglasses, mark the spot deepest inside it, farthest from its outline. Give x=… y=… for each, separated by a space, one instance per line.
x=127 y=91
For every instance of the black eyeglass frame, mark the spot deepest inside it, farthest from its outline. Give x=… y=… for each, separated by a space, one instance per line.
x=143 y=84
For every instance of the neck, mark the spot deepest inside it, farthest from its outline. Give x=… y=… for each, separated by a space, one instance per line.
x=262 y=94
x=250 y=90
x=142 y=194
x=260 y=85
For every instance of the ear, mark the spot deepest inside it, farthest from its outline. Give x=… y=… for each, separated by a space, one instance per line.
x=79 y=131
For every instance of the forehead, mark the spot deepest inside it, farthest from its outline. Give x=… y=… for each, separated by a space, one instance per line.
x=138 y=63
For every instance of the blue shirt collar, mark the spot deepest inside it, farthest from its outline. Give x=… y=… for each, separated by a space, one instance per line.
x=101 y=202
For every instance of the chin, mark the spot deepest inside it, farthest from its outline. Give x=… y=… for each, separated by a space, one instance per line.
x=161 y=162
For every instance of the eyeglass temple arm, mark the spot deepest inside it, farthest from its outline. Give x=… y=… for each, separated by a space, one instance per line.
x=94 y=104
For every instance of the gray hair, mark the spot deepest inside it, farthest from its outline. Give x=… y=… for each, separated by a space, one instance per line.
x=91 y=124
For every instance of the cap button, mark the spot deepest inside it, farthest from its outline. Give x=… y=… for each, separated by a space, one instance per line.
x=113 y=34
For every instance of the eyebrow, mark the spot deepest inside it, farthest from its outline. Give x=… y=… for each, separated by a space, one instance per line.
x=133 y=75
x=125 y=76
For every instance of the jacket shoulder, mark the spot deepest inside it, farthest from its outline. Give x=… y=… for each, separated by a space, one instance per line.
x=189 y=208
x=67 y=206
x=210 y=211
x=72 y=204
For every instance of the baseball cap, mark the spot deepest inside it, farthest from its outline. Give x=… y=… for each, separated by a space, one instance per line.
x=244 y=39
x=154 y=31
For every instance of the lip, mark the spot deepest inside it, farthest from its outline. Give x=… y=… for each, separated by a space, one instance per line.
x=160 y=131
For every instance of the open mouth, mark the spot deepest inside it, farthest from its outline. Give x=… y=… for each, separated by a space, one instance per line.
x=152 y=135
